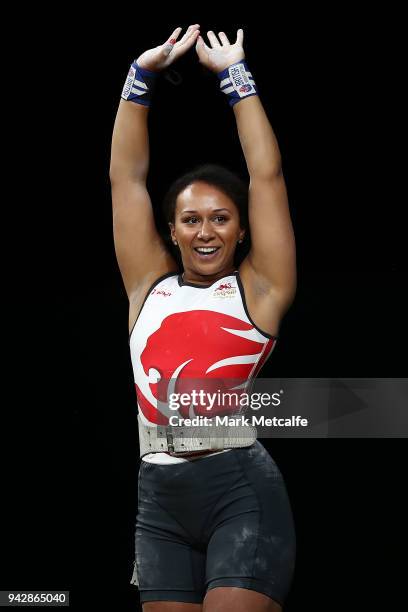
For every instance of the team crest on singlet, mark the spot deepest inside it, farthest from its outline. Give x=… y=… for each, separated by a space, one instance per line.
x=225 y=290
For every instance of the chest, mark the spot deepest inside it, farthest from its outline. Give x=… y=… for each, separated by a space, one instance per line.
x=196 y=332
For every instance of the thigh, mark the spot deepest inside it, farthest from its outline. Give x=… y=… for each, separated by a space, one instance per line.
x=169 y=568
x=235 y=599
x=252 y=543
x=168 y=571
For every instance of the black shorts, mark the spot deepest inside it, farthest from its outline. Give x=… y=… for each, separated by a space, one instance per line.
x=223 y=520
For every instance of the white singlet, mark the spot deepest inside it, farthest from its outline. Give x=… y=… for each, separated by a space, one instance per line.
x=189 y=331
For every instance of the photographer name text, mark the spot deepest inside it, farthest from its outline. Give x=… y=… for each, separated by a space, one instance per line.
x=260 y=421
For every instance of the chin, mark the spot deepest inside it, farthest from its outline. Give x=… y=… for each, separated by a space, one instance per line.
x=210 y=270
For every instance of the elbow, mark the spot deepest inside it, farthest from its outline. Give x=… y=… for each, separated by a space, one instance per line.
x=269 y=172
x=113 y=173
x=119 y=174
x=275 y=170
x=117 y=171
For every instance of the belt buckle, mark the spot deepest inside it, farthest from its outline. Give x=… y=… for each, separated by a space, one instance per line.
x=170 y=442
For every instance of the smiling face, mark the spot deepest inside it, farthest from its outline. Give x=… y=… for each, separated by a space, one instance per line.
x=206 y=218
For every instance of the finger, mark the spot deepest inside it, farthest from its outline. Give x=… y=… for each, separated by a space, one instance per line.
x=182 y=47
x=175 y=34
x=240 y=37
x=189 y=31
x=189 y=37
x=202 y=49
x=213 y=40
x=223 y=38
x=203 y=44
x=167 y=48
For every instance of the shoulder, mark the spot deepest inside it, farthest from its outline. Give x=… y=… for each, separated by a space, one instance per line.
x=149 y=282
x=139 y=297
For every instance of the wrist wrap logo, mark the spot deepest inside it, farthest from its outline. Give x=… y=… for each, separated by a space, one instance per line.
x=138 y=85
x=237 y=82
x=240 y=80
x=130 y=79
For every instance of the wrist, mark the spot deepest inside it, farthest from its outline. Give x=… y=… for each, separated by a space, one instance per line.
x=139 y=85
x=236 y=82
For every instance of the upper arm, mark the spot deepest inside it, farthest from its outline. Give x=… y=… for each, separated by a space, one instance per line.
x=273 y=251
x=140 y=250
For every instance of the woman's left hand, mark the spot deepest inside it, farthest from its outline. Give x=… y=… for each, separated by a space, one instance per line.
x=220 y=55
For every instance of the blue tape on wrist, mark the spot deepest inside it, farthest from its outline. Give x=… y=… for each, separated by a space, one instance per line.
x=139 y=85
x=237 y=82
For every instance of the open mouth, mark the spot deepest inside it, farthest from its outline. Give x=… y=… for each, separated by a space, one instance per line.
x=206 y=252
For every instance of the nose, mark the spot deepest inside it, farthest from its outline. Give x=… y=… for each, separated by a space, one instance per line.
x=206 y=232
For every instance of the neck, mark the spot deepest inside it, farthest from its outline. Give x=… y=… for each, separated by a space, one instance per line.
x=205 y=279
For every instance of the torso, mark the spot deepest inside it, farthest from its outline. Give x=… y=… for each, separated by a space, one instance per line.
x=260 y=307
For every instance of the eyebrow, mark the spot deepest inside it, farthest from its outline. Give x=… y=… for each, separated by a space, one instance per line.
x=215 y=210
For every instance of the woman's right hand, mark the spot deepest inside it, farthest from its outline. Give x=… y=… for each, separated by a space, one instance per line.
x=162 y=56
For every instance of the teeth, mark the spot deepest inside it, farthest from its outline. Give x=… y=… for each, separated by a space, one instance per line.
x=207 y=250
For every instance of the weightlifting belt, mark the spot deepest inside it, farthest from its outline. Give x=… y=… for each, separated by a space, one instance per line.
x=178 y=441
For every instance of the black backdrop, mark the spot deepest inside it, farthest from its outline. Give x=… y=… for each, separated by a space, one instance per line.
x=70 y=468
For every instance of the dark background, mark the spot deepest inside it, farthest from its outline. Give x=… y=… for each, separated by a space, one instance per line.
x=70 y=432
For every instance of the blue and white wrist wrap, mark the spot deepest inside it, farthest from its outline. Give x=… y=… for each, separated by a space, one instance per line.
x=139 y=85
x=237 y=82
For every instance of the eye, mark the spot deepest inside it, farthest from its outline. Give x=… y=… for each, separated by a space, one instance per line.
x=188 y=219
x=220 y=217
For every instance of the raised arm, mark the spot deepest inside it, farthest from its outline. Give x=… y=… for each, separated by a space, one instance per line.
x=273 y=251
x=141 y=253
x=272 y=258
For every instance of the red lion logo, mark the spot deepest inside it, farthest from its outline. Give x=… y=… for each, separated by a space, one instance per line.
x=197 y=350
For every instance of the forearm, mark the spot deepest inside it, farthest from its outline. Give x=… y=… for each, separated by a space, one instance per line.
x=258 y=141
x=130 y=143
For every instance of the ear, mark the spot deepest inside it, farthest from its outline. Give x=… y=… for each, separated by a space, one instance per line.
x=242 y=234
x=172 y=231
